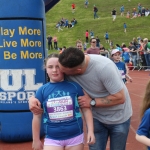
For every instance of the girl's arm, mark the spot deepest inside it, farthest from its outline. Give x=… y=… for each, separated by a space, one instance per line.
x=36 y=124
x=130 y=79
x=127 y=75
x=143 y=139
x=87 y=113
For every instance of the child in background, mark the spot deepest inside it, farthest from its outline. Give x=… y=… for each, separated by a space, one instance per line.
x=111 y=44
x=62 y=118
x=86 y=3
x=125 y=27
x=85 y=46
x=143 y=132
x=115 y=54
x=87 y=36
x=128 y=14
x=73 y=6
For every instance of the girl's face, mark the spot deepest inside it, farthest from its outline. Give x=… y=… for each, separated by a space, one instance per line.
x=116 y=57
x=53 y=70
x=79 y=46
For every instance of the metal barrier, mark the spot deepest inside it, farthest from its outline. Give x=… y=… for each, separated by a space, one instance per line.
x=138 y=67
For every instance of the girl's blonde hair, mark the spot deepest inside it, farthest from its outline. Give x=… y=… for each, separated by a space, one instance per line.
x=146 y=100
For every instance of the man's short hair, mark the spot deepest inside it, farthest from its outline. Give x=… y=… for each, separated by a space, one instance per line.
x=71 y=57
x=92 y=39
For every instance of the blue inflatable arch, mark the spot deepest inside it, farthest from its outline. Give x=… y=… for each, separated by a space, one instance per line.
x=22 y=52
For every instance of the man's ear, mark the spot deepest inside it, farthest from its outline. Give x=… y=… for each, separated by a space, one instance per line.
x=79 y=70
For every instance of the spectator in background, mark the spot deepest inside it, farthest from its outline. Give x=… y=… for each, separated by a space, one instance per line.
x=62 y=22
x=59 y=27
x=118 y=47
x=125 y=56
x=64 y=48
x=139 y=39
x=106 y=37
x=103 y=51
x=114 y=13
x=66 y=23
x=135 y=15
x=72 y=23
x=143 y=11
x=135 y=43
x=92 y=34
x=97 y=42
x=95 y=9
x=146 y=46
x=55 y=42
x=79 y=45
x=139 y=9
x=122 y=10
x=125 y=27
x=85 y=46
x=147 y=12
x=133 y=52
x=60 y=50
x=49 y=40
x=128 y=14
x=87 y=36
x=86 y=3
x=73 y=7
x=141 y=53
x=111 y=44
x=93 y=49
x=75 y=21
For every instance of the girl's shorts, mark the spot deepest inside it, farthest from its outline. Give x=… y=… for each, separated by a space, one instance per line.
x=69 y=142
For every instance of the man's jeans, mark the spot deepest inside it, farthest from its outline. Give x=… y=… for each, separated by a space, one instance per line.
x=95 y=15
x=134 y=59
x=118 y=134
x=147 y=58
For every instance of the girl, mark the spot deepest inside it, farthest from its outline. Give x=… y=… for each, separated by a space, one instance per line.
x=143 y=134
x=62 y=119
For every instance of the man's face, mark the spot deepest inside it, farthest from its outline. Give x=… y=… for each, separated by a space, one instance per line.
x=70 y=71
x=93 y=43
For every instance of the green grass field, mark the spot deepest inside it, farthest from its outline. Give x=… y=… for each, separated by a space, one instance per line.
x=135 y=27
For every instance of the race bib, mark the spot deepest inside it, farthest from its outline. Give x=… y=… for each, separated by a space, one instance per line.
x=122 y=73
x=60 y=109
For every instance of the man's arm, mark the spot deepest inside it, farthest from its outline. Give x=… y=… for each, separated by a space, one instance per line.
x=110 y=100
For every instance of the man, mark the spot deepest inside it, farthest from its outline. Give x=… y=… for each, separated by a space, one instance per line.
x=114 y=14
x=95 y=9
x=49 y=40
x=133 y=52
x=107 y=96
x=97 y=42
x=93 y=49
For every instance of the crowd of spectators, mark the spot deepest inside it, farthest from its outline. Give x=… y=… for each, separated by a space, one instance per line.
x=66 y=23
x=139 y=12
